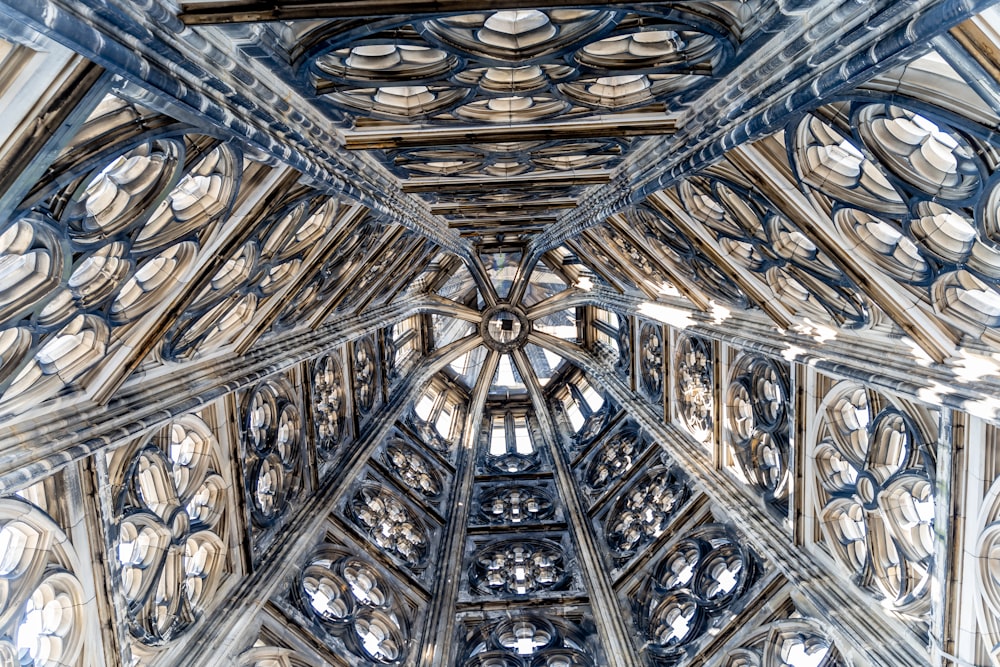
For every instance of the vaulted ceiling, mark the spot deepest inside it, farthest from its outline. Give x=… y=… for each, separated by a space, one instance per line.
x=432 y=333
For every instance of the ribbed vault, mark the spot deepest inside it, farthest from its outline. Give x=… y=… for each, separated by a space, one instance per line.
x=347 y=334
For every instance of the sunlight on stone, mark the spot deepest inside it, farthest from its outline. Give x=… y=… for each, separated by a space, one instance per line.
x=971 y=367
x=667 y=289
x=918 y=353
x=675 y=317
x=584 y=283
x=932 y=394
x=793 y=353
x=720 y=313
x=988 y=408
x=819 y=332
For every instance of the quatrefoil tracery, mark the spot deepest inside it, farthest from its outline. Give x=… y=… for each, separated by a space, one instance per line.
x=43 y=606
x=699 y=579
x=355 y=602
x=515 y=505
x=759 y=428
x=413 y=469
x=529 y=640
x=616 y=457
x=86 y=268
x=272 y=431
x=519 y=567
x=645 y=510
x=390 y=524
x=874 y=469
x=168 y=539
x=509 y=66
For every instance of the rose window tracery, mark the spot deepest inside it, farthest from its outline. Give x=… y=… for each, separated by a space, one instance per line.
x=83 y=270
x=594 y=421
x=651 y=360
x=914 y=199
x=428 y=434
x=413 y=469
x=265 y=263
x=518 y=567
x=515 y=65
x=618 y=454
x=350 y=598
x=169 y=546
x=43 y=606
x=516 y=505
x=529 y=640
x=272 y=435
x=695 y=381
x=365 y=381
x=683 y=258
x=792 y=642
x=874 y=469
x=637 y=257
x=754 y=234
x=329 y=403
x=390 y=524
x=759 y=428
x=697 y=582
x=644 y=510
x=328 y=281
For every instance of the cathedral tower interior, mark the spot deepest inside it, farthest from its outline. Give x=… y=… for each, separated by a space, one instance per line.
x=450 y=333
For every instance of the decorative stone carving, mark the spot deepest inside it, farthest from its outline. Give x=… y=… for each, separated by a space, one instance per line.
x=272 y=436
x=759 y=429
x=390 y=524
x=616 y=456
x=169 y=531
x=351 y=599
x=518 y=567
x=515 y=505
x=699 y=580
x=624 y=363
x=523 y=639
x=644 y=511
x=329 y=403
x=413 y=469
x=651 y=360
x=874 y=471
x=694 y=361
x=365 y=374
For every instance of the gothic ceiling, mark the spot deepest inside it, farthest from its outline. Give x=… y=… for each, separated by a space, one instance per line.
x=639 y=334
